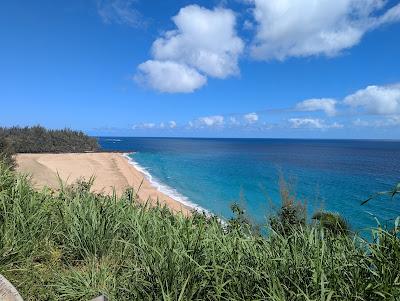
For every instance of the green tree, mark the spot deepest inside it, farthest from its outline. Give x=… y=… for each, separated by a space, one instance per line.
x=37 y=139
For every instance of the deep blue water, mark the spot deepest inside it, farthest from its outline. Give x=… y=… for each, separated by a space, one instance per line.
x=329 y=174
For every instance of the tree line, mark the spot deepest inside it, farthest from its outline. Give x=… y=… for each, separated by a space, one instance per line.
x=38 y=139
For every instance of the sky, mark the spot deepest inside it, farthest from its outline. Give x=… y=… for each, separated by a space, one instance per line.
x=233 y=68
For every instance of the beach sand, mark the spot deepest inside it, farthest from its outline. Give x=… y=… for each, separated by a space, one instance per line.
x=111 y=171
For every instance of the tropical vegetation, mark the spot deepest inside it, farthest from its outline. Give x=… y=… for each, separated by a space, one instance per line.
x=72 y=244
x=38 y=139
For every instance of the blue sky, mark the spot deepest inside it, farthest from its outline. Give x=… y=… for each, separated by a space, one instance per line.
x=238 y=68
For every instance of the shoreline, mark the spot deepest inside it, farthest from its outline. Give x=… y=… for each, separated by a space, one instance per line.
x=114 y=171
x=164 y=188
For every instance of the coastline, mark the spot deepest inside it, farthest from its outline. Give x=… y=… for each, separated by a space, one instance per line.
x=163 y=188
x=112 y=171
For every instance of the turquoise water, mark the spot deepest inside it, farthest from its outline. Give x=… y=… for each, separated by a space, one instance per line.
x=329 y=174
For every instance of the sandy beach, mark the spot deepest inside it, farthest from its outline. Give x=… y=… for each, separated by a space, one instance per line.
x=111 y=171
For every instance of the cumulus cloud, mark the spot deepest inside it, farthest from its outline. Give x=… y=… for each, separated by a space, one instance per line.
x=204 y=41
x=381 y=103
x=318 y=104
x=169 y=77
x=312 y=123
x=296 y=28
x=209 y=121
x=381 y=100
x=251 y=117
x=119 y=12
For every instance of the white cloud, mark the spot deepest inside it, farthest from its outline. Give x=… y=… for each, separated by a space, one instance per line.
x=119 y=12
x=391 y=16
x=169 y=77
x=151 y=125
x=204 y=41
x=251 y=117
x=306 y=123
x=375 y=100
x=209 y=121
x=296 y=28
x=312 y=123
x=381 y=100
x=172 y=124
x=318 y=104
x=145 y=125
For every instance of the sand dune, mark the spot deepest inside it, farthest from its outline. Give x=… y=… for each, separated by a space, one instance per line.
x=111 y=171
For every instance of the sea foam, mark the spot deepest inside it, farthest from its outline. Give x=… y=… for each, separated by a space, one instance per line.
x=167 y=190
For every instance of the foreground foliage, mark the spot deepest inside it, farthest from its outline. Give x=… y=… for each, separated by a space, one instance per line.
x=37 y=139
x=6 y=152
x=75 y=245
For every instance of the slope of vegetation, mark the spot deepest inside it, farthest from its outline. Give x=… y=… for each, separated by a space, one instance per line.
x=75 y=245
x=37 y=139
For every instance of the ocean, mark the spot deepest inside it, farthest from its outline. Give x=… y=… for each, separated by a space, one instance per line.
x=211 y=174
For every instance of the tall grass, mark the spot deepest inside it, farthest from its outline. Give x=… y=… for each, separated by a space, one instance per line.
x=74 y=245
